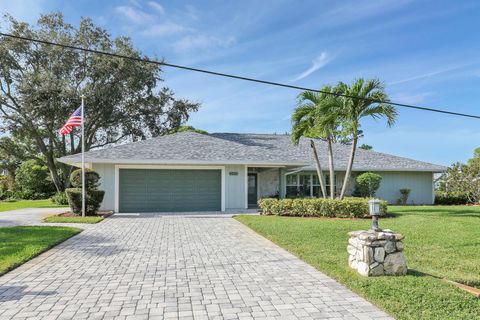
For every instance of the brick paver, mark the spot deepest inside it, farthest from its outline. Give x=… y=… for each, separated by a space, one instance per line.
x=174 y=267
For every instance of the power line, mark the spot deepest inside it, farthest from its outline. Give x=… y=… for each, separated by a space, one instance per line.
x=232 y=76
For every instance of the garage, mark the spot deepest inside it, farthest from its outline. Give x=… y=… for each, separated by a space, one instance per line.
x=169 y=190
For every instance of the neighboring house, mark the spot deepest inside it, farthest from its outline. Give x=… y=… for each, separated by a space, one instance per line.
x=228 y=171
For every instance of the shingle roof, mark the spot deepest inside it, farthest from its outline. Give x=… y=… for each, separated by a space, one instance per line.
x=240 y=148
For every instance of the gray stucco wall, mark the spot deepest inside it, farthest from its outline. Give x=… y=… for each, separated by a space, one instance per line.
x=107 y=183
x=235 y=187
x=268 y=183
x=420 y=184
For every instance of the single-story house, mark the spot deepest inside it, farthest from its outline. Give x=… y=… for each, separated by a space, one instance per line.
x=189 y=171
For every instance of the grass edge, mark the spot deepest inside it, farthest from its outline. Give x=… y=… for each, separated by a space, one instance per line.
x=50 y=246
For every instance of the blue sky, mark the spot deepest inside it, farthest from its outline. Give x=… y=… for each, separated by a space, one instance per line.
x=427 y=52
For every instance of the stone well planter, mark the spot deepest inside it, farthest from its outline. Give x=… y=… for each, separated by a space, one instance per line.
x=376 y=253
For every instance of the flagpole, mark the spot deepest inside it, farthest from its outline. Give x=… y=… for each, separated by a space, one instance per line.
x=83 y=156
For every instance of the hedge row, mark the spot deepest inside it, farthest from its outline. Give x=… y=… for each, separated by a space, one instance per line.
x=451 y=198
x=318 y=207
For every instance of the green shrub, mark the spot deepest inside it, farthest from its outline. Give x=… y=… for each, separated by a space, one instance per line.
x=368 y=184
x=93 y=199
x=405 y=192
x=60 y=198
x=92 y=179
x=3 y=186
x=33 y=180
x=5 y=194
x=451 y=198
x=318 y=207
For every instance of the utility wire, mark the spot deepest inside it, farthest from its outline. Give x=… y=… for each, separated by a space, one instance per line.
x=232 y=76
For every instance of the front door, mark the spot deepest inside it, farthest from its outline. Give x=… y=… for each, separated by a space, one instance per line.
x=252 y=189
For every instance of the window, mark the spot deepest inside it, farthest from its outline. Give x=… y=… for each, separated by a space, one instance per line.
x=306 y=185
x=316 y=191
x=292 y=186
x=327 y=184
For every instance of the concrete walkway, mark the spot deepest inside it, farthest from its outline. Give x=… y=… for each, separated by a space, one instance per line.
x=27 y=216
x=174 y=267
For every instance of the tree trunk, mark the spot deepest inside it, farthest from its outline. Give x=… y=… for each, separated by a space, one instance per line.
x=50 y=161
x=332 y=169
x=53 y=172
x=319 y=169
x=72 y=143
x=11 y=178
x=349 y=167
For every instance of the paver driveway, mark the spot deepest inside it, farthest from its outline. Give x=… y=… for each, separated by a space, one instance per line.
x=174 y=267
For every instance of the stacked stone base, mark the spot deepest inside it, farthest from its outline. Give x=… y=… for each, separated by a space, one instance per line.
x=374 y=253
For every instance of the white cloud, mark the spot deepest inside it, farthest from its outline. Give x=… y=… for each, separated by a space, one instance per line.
x=27 y=11
x=202 y=42
x=192 y=12
x=319 y=62
x=148 y=19
x=411 y=98
x=156 y=6
x=426 y=75
x=134 y=14
x=163 y=29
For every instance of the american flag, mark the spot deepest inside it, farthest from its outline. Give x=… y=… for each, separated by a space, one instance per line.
x=75 y=120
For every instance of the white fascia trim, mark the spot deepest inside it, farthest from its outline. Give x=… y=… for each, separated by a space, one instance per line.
x=263 y=164
x=246 y=187
x=370 y=169
x=139 y=166
x=79 y=165
x=396 y=170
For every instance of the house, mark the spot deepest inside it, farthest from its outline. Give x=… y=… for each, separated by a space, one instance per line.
x=189 y=171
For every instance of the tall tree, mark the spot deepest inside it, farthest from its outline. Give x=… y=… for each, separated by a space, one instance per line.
x=365 y=147
x=9 y=160
x=318 y=115
x=12 y=152
x=463 y=178
x=187 y=128
x=41 y=85
x=370 y=93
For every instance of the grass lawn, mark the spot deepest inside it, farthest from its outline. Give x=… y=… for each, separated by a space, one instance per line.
x=20 y=244
x=56 y=219
x=441 y=241
x=21 y=204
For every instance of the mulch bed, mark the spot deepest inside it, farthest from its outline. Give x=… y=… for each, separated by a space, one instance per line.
x=70 y=214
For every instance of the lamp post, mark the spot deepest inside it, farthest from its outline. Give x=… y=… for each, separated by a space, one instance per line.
x=374 y=206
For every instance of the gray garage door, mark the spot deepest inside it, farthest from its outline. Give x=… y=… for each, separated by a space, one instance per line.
x=152 y=190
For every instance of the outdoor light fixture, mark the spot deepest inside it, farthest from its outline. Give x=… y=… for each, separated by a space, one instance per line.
x=374 y=206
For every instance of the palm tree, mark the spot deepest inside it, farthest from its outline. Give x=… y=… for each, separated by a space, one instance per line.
x=318 y=115
x=365 y=98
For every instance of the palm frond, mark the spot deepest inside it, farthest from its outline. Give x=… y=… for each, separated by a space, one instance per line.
x=382 y=111
x=317 y=115
x=372 y=85
x=308 y=97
